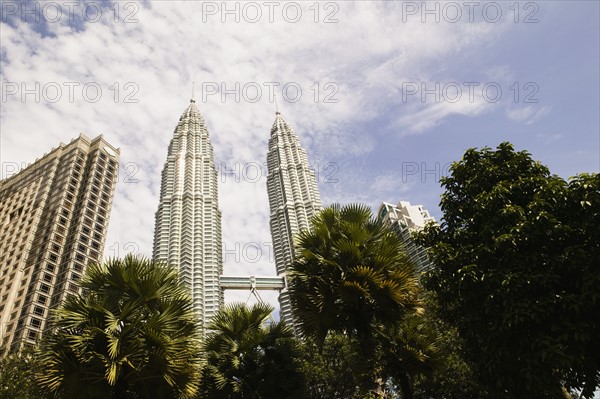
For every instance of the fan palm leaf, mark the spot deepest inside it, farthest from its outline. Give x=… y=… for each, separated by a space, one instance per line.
x=247 y=358
x=131 y=334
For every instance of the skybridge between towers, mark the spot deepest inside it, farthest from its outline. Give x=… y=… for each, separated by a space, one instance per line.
x=252 y=284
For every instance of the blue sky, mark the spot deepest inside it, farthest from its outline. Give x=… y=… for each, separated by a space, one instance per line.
x=381 y=141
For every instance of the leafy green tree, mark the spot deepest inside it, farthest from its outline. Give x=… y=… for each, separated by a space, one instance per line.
x=518 y=272
x=453 y=377
x=328 y=369
x=132 y=334
x=337 y=370
x=17 y=375
x=352 y=276
x=249 y=358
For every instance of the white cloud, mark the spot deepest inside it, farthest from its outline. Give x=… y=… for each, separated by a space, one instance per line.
x=389 y=183
x=425 y=116
x=527 y=115
x=550 y=138
x=366 y=57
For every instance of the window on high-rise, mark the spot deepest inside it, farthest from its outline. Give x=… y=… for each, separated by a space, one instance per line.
x=35 y=322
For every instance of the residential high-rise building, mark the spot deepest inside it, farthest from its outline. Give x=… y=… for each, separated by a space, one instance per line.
x=53 y=222
x=405 y=219
x=187 y=231
x=293 y=198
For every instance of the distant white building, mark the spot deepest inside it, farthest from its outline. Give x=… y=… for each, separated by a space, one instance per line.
x=405 y=219
x=187 y=232
x=293 y=198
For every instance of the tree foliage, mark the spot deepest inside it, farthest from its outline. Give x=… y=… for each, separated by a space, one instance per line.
x=248 y=359
x=331 y=369
x=453 y=377
x=518 y=272
x=352 y=276
x=17 y=375
x=132 y=334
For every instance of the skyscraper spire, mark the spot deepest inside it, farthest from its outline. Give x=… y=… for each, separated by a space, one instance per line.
x=193 y=100
x=293 y=198
x=187 y=231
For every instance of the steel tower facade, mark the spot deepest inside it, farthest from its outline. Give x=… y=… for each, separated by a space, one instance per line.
x=187 y=231
x=293 y=198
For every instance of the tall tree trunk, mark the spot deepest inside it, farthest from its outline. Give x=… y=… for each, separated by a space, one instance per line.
x=405 y=387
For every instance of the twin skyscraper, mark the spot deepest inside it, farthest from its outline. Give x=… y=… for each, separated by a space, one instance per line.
x=187 y=230
x=54 y=218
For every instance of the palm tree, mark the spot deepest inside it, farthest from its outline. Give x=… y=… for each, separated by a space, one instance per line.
x=132 y=334
x=352 y=276
x=247 y=359
x=411 y=349
x=351 y=273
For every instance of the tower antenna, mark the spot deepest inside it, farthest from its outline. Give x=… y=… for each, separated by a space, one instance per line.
x=193 y=87
x=276 y=105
